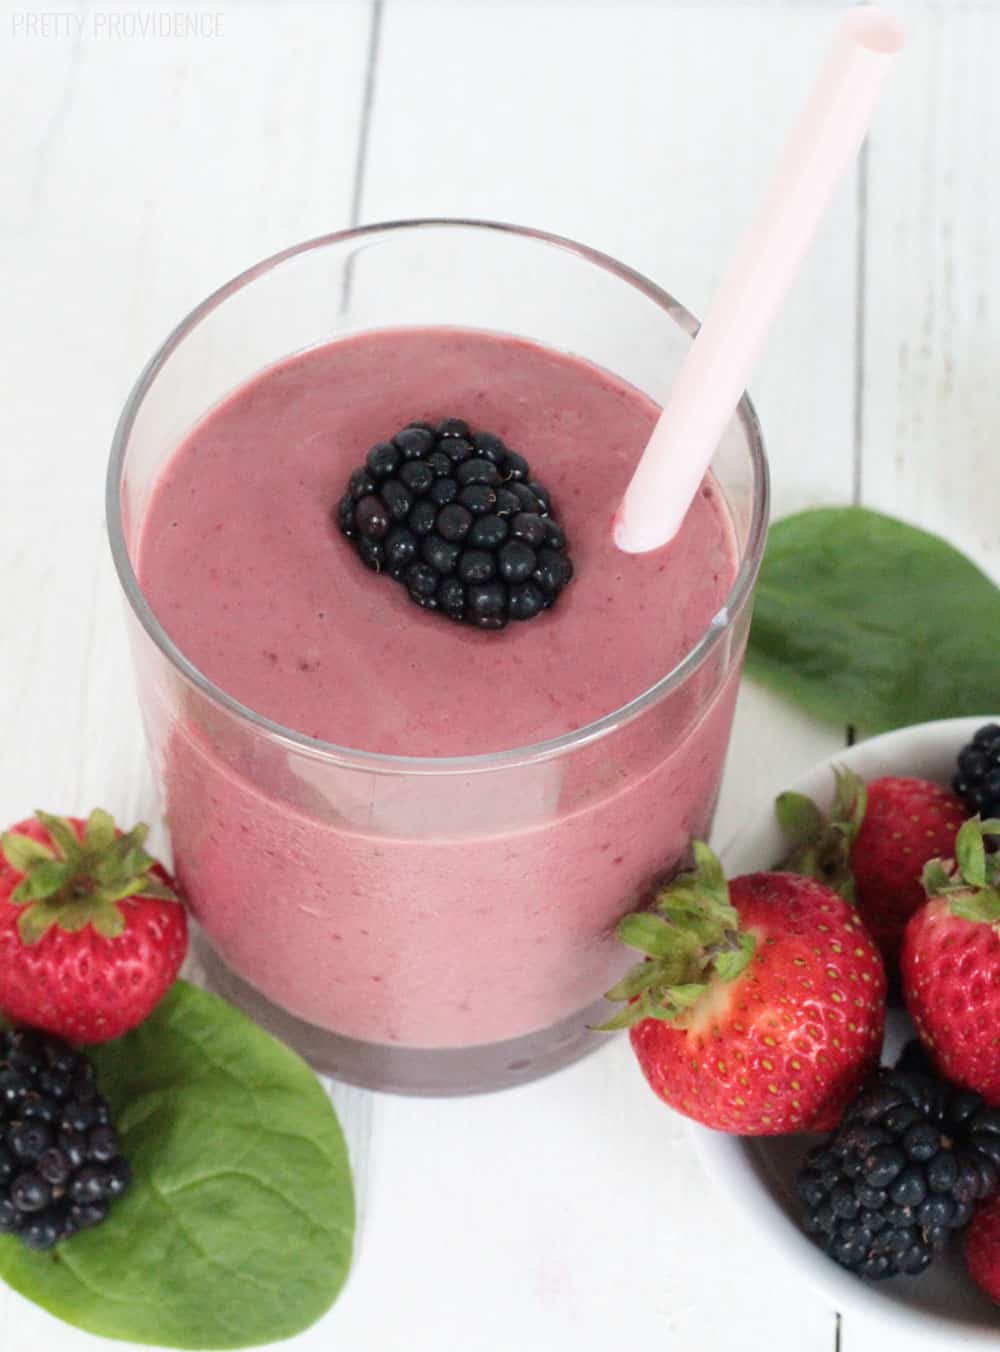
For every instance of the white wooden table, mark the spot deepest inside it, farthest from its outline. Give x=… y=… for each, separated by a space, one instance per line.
x=139 y=169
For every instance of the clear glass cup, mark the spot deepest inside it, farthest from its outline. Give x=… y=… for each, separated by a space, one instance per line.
x=304 y=841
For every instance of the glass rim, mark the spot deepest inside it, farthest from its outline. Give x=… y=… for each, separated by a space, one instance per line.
x=378 y=761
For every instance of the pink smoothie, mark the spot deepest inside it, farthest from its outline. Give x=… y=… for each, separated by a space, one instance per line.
x=460 y=908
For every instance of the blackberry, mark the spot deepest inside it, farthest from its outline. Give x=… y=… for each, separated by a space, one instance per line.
x=455 y=517
x=977 y=776
x=886 y=1191
x=478 y=498
x=60 y=1158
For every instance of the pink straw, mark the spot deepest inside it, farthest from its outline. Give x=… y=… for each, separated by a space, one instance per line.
x=711 y=381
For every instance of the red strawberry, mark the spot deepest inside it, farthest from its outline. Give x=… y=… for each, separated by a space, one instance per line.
x=982 y=1248
x=874 y=846
x=951 y=963
x=91 y=930
x=761 y=1005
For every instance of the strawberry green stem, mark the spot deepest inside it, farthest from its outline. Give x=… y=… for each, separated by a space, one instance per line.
x=971 y=881
x=690 y=937
x=820 y=846
x=76 y=881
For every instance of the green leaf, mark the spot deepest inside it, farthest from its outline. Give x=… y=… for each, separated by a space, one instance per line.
x=799 y=818
x=21 y=851
x=865 y=620
x=70 y=917
x=936 y=878
x=647 y=933
x=120 y=892
x=136 y=862
x=850 y=799
x=63 y=836
x=991 y=827
x=100 y=830
x=625 y=1018
x=124 y=857
x=635 y=980
x=703 y=888
x=970 y=853
x=982 y=906
x=821 y=846
x=697 y=920
x=144 y=886
x=684 y=903
x=148 y=886
x=106 y=918
x=709 y=874
x=728 y=965
x=36 y=921
x=238 y=1228
x=683 y=997
x=45 y=878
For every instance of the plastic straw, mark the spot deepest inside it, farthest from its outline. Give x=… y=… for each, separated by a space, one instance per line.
x=715 y=373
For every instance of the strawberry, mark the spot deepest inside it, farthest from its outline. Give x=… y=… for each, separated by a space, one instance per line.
x=950 y=963
x=92 y=932
x=982 y=1248
x=874 y=846
x=761 y=1004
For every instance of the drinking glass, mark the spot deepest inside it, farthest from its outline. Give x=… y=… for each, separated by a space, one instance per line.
x=415 y=924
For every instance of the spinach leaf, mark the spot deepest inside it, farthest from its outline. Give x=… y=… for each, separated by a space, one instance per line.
x=865 y=620
x=239 y=1223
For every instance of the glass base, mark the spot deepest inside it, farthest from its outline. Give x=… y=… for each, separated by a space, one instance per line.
x=438 y=1071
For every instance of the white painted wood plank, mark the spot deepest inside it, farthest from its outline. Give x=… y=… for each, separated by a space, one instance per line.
x=156 y=169
x=565 y=1215
x=932 y=332
x=932 y=321
x=124 y=253
x=136 y=175
x=643 y=130
x=772 y=744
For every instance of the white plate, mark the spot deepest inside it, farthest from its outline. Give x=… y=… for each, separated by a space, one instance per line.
x=943 y=1307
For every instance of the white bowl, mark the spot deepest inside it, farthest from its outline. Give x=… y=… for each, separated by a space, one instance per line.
x=943 y=1307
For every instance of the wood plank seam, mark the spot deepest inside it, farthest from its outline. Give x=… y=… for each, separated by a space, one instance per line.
x=367 y=108
x=361 y=155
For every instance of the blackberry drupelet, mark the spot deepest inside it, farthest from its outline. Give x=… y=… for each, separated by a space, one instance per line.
x=900 y=1175
x=456 y=517
x=60 y=1161
x=977 y=777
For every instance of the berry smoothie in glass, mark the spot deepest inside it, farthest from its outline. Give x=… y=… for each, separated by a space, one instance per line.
x=422 y=733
